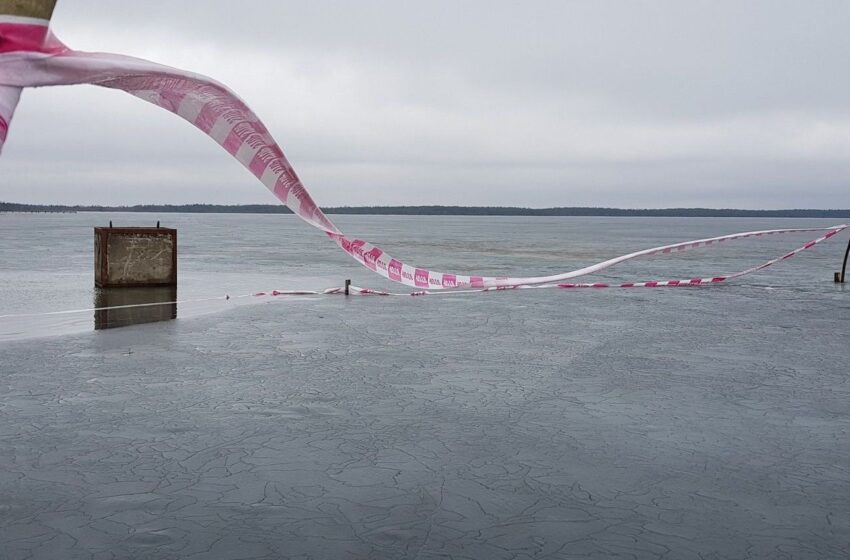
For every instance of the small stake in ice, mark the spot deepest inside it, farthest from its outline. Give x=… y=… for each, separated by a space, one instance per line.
x=839 y=276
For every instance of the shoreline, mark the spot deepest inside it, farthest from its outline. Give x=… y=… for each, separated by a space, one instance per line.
x=431 y=210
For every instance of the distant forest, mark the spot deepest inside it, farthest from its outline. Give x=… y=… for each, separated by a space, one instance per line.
x=439 y=210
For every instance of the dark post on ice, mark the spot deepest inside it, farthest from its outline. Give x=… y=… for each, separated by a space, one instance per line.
x=135 y=256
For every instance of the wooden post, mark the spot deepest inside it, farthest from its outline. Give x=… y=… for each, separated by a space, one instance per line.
x=41 y=9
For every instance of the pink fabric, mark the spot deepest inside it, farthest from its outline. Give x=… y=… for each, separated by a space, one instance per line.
x=9 y=97
x=394 y=270
x=30 y=56
x=28 y=37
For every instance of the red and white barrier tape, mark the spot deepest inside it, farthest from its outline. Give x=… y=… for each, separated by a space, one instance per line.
x=31 y=56
x=355 y=290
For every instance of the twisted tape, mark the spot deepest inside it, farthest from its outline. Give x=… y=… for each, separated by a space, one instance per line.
x=31 y=56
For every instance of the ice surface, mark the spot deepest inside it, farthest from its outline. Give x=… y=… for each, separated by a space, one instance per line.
x=677 y=423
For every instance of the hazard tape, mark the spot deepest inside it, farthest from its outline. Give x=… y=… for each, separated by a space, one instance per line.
x=31 y=56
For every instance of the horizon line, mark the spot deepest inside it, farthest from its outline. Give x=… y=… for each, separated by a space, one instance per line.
x=436 y=209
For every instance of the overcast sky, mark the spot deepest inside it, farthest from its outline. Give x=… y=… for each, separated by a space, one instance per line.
x=630 y=104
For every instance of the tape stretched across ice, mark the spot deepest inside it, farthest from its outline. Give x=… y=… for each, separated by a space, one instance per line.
x=30 y=56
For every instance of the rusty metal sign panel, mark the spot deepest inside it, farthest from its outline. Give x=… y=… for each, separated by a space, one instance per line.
x=135 y=256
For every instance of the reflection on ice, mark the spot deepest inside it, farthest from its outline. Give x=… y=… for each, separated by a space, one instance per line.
x=120 y=307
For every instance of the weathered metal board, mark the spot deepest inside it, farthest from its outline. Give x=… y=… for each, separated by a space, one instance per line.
x=135 y=257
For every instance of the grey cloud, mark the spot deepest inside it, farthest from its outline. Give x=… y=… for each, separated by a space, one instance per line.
x=534 y=103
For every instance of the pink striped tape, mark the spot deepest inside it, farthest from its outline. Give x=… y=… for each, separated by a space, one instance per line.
x=31 y=56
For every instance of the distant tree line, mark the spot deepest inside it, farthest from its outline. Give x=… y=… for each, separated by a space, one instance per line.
x=439 y=210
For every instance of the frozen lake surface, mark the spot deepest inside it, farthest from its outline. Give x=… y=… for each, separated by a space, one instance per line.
x=46 y=260
x=674 y=423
